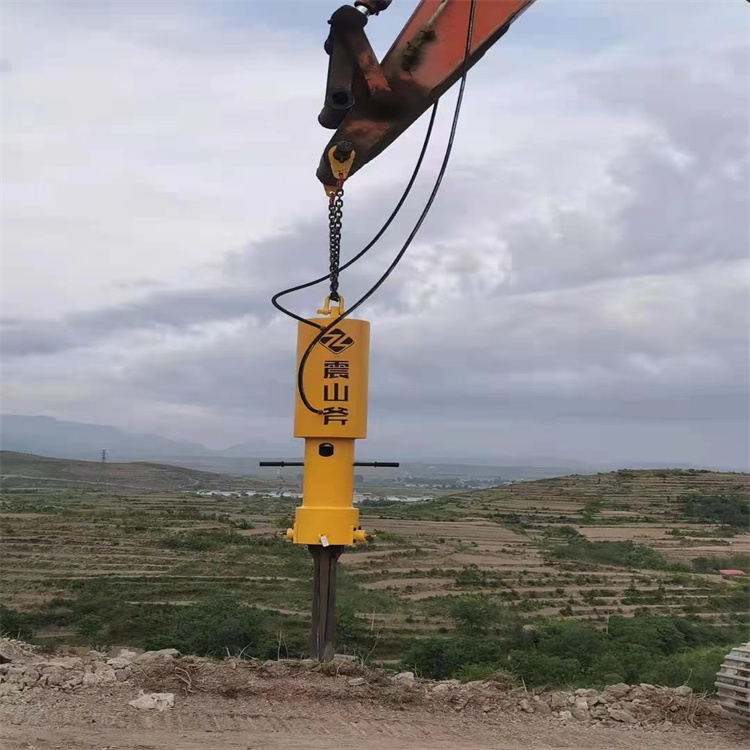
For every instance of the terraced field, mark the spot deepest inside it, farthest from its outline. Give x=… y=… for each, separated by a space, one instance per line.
x=523 y=547
x=623 y=496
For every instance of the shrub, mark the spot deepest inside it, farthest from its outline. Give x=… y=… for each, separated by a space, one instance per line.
x=659 y=650
x=204 y=540
x=159 y=642
x=739 y=561
x=243 y=523
x=625 y=554
x=471 y=576
x=727 y=508
x=440 y=658
x=474 y=615
x=208 y=628
x=217 y=625
x=15 y=624
x=433 y=657
x=545 y=669
x=696 y=668
x=474 y=672
x=350 y=630
x=89 y=626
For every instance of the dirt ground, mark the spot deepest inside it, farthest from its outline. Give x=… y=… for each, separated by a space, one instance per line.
x=102 y=720
x=98 y=722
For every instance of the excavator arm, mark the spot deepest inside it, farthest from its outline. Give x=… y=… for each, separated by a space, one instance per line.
x=370 y=103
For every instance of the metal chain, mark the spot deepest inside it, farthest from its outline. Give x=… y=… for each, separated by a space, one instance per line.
x=335 y=216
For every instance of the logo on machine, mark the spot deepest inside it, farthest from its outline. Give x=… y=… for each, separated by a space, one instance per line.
x=337 y=341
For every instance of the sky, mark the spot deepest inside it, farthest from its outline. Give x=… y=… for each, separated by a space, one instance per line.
x=580 y=289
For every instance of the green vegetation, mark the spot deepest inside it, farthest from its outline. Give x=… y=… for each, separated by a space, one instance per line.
x=473 y=672
x=213 y=628
x=591 y=510
x=89 y=627
x=387 y=537
x=474 y=615
x=444 y=658
x=626 y=554
x=203 y=540
x=726 y=507
x=15 y=624
x=23 y=470
x=440 y=509
x=471 y=576
x=737 y=561
x=664 y=473
x=659 y=650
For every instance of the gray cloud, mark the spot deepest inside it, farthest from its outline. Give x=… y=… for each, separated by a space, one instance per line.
x=584 y=289
x=178 y=309
x=676 y=199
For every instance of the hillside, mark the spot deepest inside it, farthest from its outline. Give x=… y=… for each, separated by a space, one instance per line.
x=622 y=561
x=18 y=470
x=615 y=497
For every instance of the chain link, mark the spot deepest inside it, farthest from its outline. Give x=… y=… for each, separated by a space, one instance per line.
x=335 y=217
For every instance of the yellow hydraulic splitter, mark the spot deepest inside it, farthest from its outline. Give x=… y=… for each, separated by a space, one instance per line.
x=335 y=380
x=438 y=45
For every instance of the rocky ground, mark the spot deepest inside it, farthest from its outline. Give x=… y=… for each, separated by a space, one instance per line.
x=126 y=700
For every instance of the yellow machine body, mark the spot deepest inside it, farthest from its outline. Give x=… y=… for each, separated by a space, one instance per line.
x=335 y=381
x=336 y=378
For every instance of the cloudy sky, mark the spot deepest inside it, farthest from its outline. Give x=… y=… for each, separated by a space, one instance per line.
x=579 y=291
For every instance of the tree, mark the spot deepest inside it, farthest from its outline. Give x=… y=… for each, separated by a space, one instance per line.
x=434 y=658
x=728 y=508
x=15 y=624
x=474 y=615
x=89 y=626
x=544 y=669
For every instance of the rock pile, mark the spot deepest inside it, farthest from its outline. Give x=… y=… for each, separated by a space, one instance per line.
x=12 y=650
x=23 y=668
x=634 y=705
x=639 y=706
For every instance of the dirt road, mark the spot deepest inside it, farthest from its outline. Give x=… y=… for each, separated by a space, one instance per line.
x=102 y=720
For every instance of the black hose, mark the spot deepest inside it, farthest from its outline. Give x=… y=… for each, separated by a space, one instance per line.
x=381 y=231
x=441 y=173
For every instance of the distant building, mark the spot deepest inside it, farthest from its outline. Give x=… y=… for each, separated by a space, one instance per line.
x=733 y=573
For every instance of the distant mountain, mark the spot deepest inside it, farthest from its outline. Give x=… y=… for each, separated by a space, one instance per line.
x=21 y=470
x=48 y=436
x=53 y=437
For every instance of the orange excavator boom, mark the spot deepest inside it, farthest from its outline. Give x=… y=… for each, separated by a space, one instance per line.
x=370 y=103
